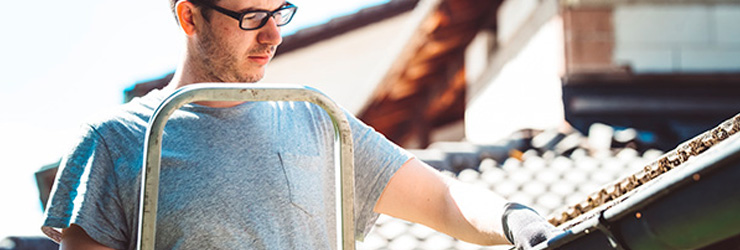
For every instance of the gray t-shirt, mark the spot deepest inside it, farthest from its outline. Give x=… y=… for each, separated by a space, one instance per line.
x=255 y=176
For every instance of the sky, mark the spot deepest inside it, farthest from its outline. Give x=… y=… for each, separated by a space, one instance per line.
x=64 y=61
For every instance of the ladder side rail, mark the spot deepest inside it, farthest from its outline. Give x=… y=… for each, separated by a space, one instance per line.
x=343 y=169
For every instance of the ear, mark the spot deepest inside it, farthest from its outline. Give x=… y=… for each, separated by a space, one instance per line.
x=184 y=10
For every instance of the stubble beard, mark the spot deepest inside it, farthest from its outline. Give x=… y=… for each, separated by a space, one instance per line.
x=220 y=64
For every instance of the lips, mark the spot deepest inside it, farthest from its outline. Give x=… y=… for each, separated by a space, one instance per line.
x=260 y=59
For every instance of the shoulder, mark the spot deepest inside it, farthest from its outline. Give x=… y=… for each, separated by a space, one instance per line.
x=126 y=118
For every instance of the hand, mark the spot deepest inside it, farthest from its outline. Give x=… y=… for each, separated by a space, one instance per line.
x=524 y=227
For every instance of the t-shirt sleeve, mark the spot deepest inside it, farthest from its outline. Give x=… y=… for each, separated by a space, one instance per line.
x=376 y=160
x=85 y=193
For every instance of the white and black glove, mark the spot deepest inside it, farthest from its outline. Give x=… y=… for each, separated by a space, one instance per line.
x=524 y=227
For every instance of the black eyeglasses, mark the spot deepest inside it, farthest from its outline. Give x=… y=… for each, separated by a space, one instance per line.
x=255 y=19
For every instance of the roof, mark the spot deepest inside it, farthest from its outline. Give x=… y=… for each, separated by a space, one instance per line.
x=543 y=169
x=550 y=169
x=692 y=206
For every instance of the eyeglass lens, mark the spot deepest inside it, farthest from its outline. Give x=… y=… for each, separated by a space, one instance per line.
x=257 y=19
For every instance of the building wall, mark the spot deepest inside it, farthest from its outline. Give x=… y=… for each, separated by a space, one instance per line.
x=525 y=93
x=589 y=40
x=511 y=16
x=679 y=38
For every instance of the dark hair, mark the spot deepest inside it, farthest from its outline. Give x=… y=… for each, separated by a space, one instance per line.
x=205 y=11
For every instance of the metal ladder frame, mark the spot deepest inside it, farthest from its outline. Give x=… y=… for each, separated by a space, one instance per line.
x=343 y=169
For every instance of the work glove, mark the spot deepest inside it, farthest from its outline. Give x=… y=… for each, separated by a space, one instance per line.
x=524 y=227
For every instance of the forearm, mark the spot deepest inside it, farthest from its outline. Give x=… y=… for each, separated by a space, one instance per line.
x=420 y=194
x=473 y=214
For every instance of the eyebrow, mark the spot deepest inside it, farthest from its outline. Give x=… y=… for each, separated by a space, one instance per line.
x=285 y=3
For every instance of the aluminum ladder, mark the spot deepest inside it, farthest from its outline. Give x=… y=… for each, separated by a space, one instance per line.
x=343 y=169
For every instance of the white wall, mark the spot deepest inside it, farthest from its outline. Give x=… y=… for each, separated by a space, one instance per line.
x=525 y=94
x=511 y=16
x=678 y=38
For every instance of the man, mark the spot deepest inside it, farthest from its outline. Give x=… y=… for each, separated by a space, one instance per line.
x=254 y=175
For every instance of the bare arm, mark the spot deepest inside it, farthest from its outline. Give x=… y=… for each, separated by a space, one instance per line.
x=420 y=194
x=74 y=237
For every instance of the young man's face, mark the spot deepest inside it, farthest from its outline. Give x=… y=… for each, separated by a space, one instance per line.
x=231 y=54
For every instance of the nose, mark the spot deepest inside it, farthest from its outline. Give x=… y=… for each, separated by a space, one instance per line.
x=270 y=33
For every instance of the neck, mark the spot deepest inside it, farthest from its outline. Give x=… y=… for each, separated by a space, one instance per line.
x=188 y=73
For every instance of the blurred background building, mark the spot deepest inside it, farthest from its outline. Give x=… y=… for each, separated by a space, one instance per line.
x=541 y=101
